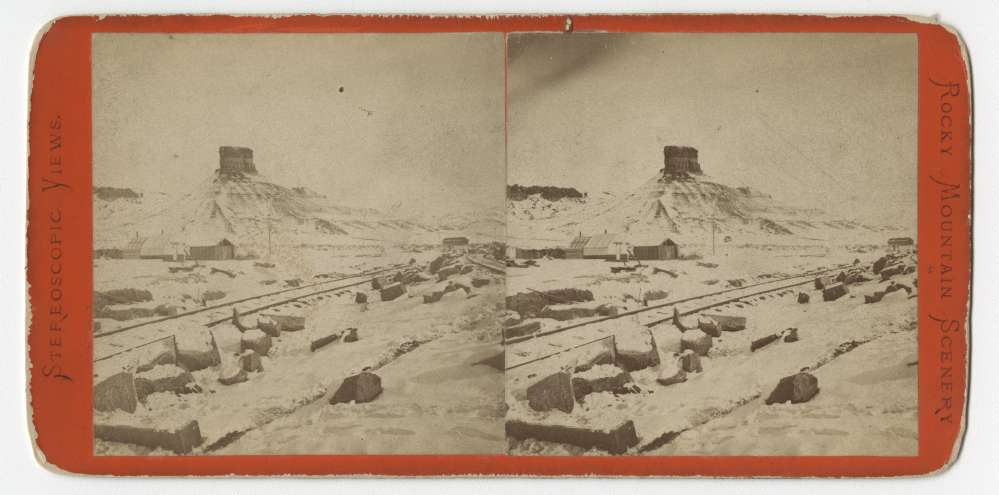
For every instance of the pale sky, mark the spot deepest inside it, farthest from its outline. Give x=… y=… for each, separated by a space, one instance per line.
x=826 y=120
x=419 y=122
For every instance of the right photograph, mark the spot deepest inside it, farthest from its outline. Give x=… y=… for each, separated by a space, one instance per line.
x=711 y=244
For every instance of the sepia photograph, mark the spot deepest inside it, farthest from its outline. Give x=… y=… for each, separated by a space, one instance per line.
x=711 y=244
x=298 y=243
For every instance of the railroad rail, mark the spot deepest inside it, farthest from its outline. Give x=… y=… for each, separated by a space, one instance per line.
x=655 y=315
x=116 y=341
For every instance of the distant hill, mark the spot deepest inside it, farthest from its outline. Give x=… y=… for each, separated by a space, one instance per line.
x=517 y=192
x=681 y=209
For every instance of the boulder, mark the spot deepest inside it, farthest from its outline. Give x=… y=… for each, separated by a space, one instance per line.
x=823 y=281
x=362 y=387
x=237 y=322
x=834 y=292
x=448 y=271
x=597 y=353
x=874 y=298
x=360 y=297
x=256 y=340
x=436 y=264
x=163 y=378
x=322 y=338
x=709 y=326
x=155 y=354
x=196 y=349
x=267 y=325
x=116 y=391
x=791 y=335
x=467 y=269
x=797 y=388
x=393 y=291
x=879 y=264
x=690 y=362
x=763 y=342
x=603 y=378
x=521 y=330
x=803 y=298
x=437 y=291
x=677 y=322
x=729 y=323
x=180 y=439
x=380 y=282
x=288 y=323
x=232 y=373
x=250 y=361
x=891 y=271
x=697 y=341
x=635 y=348
x=480 y=282
x=671 y=372
x=616 y=440
x=350 y=335
x=552 y=392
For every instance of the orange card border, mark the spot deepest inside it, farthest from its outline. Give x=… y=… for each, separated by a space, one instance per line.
x=59 y=243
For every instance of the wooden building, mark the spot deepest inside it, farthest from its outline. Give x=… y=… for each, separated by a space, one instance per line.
x=223 y=250
x=665 y=250
x=455 y=243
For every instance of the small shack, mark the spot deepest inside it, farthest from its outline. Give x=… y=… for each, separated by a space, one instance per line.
x=901 y=242
x=665 y=250
x=222 y=250
x=455 y=243
x=601 y=246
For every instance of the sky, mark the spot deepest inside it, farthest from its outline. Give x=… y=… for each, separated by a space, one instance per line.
x=410 y=121
x=816 y=120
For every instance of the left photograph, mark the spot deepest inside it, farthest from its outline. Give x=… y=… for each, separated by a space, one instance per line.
x=295 y=244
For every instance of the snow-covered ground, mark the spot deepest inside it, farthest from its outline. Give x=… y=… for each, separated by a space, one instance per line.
x=862 y=354
x=436 y=398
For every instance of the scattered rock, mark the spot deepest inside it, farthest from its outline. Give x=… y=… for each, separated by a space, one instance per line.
x=181 y=439
x=164 y=378
x=879 y=264
x=615 y=441
x=467 y=269
x=267 y=325
x=324 y=338
x=436 y=264
x=232 y=373
x=529 y=304
x=763 y=342
x=797 y=388
x=480 y=282
x=287 y=323
x=823 y=281
x=697 y=341
x=116 y=391
x=709 y=326
x=834 y=292
x=552 y=392
x=635 y=348
x=360 y=388
x=670 y=372
x=256 y=340
x=448 y=271
x=350 y=335
x=690 y=362
x=379 y=282
x=803 y=298
x=791 y=335
x=603 y=378
x=654 y=295
x=360 y=298
x=874 y=298
x=196 y=349
x=895 y=296
x=729 y=323
x=250 y=361
x=392 y=291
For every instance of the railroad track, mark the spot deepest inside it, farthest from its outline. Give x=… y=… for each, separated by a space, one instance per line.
x=119 y=340
x=532 y=348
